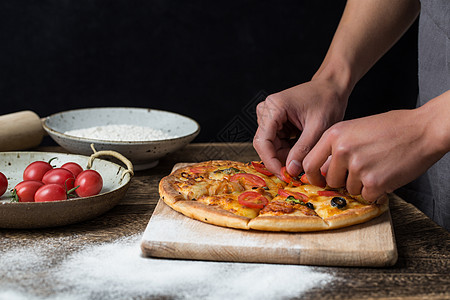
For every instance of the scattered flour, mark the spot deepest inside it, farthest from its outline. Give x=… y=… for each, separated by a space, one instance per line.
x=117 y=271
x=120 y=133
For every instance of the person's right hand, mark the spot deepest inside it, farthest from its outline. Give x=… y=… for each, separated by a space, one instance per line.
x=309 y=108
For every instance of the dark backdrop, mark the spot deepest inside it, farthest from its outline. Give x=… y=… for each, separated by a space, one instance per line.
x=210 y=60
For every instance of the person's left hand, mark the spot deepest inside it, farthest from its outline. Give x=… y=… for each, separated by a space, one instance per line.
x=375 y=155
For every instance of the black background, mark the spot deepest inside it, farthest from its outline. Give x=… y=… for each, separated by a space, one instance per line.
x=209 y=60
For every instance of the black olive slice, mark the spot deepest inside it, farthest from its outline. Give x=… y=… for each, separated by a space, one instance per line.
x=338 y=202
x=310 y=205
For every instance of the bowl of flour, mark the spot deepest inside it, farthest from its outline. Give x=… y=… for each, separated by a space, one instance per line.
x=140 y=134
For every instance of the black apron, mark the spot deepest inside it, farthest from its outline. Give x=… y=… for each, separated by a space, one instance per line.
x=431 y=192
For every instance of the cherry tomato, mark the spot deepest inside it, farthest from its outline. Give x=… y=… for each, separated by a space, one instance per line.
x=252 y=199
x=296 y=195
x=36 y=170
x=88 y=183
x=304 y=179
x=50 y=192
x=261 y=168
x=25 y=190
x=59 y=176
x=288 y=178
x=3 y=183
x=329 y=193
x=73 y=167
x=253 y=180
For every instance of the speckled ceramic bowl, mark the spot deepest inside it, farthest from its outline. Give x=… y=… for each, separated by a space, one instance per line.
x=143 y=154
x=116 y=180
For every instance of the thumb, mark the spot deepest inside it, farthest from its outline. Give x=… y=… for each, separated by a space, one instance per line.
x=301 y=148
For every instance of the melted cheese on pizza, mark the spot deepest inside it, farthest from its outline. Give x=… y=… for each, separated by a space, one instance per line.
x=219 y=184
x=229 y=203
x=322 y=204
x=213 y=186
x=279 y=206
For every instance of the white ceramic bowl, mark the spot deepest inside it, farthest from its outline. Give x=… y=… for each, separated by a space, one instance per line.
x=143 y=154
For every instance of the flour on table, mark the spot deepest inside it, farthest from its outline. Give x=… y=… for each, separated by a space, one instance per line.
x=121 y=133
x=117 y=270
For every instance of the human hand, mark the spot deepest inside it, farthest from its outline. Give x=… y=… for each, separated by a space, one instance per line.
x=309 y=108
x=375 y=155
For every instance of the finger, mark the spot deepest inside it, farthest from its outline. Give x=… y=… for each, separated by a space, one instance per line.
x=337 y=172
x=310 y=135
x=354 y=185
x=382 y=199
x=326 y=165
x=261 y=113
x=371 y=195
x=264 y=145
x=315 y=159
x=269 y=114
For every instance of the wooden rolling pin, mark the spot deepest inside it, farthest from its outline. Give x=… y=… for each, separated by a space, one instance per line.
x=21 y=130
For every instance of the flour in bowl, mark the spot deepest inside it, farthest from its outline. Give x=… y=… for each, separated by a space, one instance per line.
x=120 y=133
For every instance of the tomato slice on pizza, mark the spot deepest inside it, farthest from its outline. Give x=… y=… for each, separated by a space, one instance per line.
x=261 y=168
x=251 y=179
x=329 y=193
x=288 y=178
x=252 y=199
x=296 y=195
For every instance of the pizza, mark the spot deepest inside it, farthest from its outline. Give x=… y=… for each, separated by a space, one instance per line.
x=248 y=196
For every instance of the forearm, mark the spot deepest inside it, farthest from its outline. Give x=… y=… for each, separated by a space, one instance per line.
x=434 y=116
x=367 y=30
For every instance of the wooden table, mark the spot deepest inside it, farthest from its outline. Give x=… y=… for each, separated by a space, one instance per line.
x=422 y=270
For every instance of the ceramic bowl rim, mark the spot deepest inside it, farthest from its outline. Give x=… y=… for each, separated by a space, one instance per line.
x=60 y=134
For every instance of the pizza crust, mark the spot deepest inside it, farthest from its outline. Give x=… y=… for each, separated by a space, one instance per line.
x=288 y=223
x=167 y=191
x=211 y=214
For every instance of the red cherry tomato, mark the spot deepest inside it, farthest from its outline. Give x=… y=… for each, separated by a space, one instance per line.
x=88 y=183
x=296 y=195
x=329 y=193
x=36 y=170
x=253 y=180
x=252 y=199
x=25 y=190
x=3 y=183
x=304 y=179
x=73 y=167
x=288 y=178
x=50 y=192
x=59 y=176
x=261 y=168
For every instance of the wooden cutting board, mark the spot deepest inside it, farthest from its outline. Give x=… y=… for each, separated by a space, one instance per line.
x=170 y=234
